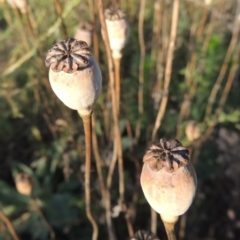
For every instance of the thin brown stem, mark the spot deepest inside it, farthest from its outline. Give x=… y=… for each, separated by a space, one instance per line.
x=230 y=79
x=117 y=62
x=225 y=64
x=157 y=18
x=114 y=108
x=7 y=13
x=93 y=16
x=88 y=148
x=59 y=10
x=104 y=191
x=169 y=227
x=141 y=69
x=183 y=221
x=22 y=29
x=153 y=220
x=168 y=69
x=9 y=224
x=44 y=220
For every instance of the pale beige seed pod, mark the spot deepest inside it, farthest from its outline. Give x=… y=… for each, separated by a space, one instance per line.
x=24 y=184
x=168 y=179
x=118 y=30
x=21 y=4
x=193 y=130
x=74 y=75
x=207 y=2
x=84 y=33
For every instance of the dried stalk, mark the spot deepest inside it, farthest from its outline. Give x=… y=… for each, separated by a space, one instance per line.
x=117 y=63
x=226 y=61
x=7 y=13
x=141 y=69
x=44 y=220
x=93 y=16
x=168 y=69
x=59 y=10
x=115 y=114
x=104 y=191
x=169 y=227
x=9 y=224
x=157 y=89
x=157 y=20
x=191 y=66
x=230 y=79
x=88 y=149
x=22 y=29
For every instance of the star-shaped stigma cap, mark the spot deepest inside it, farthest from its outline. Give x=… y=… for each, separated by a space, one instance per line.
x=68 y=56
x=166 y=155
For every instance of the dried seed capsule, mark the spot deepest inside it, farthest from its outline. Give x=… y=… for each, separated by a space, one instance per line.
x=74 y=74
x=84 y=33
x=24 y=184
x=192 y=130
x=21 y=4
x=168 y=179
x=118 y=30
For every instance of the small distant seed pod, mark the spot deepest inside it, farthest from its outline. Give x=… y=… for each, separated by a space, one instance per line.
x=24 y=184
x=118 y=30
x=21 y=4
x=84 y=33
x=74 y=75
x=208 y=2
x=144 y=235
x=193 y=130
x=168 y=179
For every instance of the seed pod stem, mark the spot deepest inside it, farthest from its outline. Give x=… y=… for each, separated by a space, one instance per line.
x=9 y=224
x=117 y=63
x=169 y=227
x=87 y=124
x=43 y=218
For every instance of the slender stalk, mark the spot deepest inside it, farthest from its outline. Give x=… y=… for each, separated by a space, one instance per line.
x=44 y=220
x=182 y=226
x=88 y=148
x=157 y=20
x=141 y=69
x=113 y=94
x=169 y=227
x=7 y=13
x=153 y=221
x=225 y=64
x=168 y=69
x=94 y=20
x=114 y=112
x=59 y=10
x=117 y=62
x=230 y=79
x=104 y=191
x=9 y=224
x=22 y=29
x=196 y=33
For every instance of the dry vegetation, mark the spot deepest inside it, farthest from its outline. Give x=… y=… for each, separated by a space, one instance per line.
x=178 y=77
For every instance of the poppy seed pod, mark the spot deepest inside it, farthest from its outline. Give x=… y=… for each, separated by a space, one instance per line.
x=21 y=4
x=118 y=30
x=168 y=179
x=74 y=75
x=192 y=130
x=24 y=184
x=84 y=33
